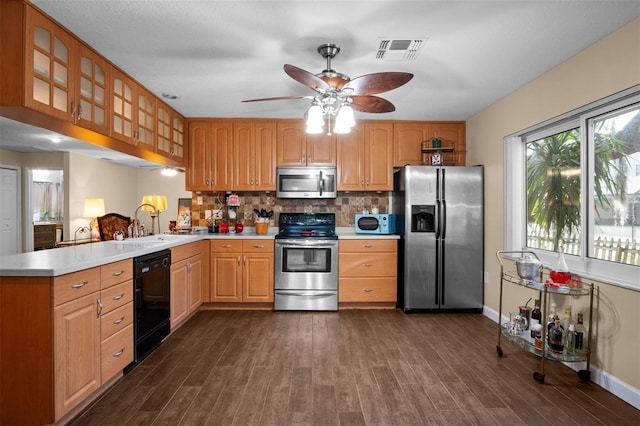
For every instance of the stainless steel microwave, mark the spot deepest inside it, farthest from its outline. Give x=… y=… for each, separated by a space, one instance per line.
x=306 y=182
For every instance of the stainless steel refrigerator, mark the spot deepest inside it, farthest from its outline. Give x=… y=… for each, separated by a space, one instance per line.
x=442 y=247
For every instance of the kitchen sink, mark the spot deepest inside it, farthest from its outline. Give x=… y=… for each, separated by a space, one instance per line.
x=153 y=239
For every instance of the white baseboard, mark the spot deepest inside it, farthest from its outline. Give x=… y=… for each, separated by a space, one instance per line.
x=600 y=377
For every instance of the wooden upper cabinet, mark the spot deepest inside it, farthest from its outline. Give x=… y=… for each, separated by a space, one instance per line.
x=351 y=160
x=92 y=94
x=209 y=156
x=145 y=133
x=254 y=155
x=124 y=106
x=169 y=132
x=48 y=67
x=292 y=143
x=408 y=137
x=453 y=134
x=198 y=170
x=296 y=148
x=365 y=157
x=378 y=155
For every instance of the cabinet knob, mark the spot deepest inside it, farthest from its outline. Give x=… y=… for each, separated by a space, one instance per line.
x=118 y=321
x=117 y=354
x=367 y=246
x=117 y=274
x=367 y=265
x=367 y=290
x=118 y=297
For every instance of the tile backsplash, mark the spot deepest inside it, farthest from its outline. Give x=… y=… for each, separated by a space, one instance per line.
x=345 y=206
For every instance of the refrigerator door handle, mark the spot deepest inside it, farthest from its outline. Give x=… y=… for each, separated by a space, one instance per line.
x=438 y=216
x=441 y=267
x=443 y=219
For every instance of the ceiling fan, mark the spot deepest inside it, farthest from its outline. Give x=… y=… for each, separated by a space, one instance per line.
x=336 y=91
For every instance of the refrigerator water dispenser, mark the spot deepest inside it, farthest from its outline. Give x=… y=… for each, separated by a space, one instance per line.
x=423 y=218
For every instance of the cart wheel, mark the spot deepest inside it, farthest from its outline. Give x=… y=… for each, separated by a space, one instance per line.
x=538 y=377
x=499 y=350
x=584 y=375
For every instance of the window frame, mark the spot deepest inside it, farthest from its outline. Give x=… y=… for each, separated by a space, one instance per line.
x=515 y=203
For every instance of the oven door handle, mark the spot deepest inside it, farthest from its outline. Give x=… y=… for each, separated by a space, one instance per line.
x=304 y=293
x=310 y=246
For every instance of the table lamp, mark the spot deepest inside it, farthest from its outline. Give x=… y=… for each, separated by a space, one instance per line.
x=94 y=207
x=159 y=202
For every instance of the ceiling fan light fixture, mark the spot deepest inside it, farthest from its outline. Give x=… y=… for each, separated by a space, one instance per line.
x=314 y=116
x=345 y=115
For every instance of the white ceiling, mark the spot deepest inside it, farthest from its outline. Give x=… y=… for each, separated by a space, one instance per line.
x=214 y=54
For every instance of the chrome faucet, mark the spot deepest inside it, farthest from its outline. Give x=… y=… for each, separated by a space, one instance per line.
x=138 y=231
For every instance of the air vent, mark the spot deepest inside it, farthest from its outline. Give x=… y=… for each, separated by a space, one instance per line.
x=399 y=49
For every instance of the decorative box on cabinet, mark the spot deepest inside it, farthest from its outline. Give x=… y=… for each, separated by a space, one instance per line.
x=573 y=289
x=242 y=271
x=368 y=273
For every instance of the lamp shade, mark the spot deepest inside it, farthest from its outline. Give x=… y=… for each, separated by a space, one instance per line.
x=93 y=207
x=157 y=201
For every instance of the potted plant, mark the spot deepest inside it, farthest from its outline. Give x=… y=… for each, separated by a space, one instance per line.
x=436 y=143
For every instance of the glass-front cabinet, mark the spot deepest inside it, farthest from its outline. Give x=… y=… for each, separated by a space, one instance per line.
x=48 y=73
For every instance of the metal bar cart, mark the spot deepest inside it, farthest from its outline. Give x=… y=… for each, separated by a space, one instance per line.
x=574 y=288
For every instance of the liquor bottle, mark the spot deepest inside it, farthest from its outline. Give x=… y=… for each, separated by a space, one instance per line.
x=566 y=321
x=560 y=273
x=570 y=340
x=536 y=316
x=553 y=313
x=556 y=334
x=581 y=332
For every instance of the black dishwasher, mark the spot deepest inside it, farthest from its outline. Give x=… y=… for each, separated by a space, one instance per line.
x=152 y=302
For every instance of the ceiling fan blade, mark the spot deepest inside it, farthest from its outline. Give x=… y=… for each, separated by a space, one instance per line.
x=306 y=78
x=371 y=104
x=372 y=84
x=278 y=98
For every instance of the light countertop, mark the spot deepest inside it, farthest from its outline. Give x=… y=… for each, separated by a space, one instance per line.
x=65 y=260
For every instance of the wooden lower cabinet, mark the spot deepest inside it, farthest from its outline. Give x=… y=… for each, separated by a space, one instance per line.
x=241 y=271
x=77 y=352
x=61 y=340
x=367 y=271
x=186 y=281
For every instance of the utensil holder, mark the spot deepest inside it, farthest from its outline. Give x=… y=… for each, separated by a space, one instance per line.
x=262 y=228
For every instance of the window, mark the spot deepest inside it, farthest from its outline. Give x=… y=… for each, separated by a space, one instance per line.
x=571 y=184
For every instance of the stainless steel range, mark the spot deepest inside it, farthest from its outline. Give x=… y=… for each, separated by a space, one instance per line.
x=306 y=262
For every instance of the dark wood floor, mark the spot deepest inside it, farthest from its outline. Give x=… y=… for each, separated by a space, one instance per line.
x=349 y=368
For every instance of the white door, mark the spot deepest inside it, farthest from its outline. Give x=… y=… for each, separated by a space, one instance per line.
x=9 y=212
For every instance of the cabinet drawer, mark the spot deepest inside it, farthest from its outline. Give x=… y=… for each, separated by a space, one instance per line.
x=185 y=251
x=74 y=285
x=116 y=320
x=116 y=352
x=367 y=264
x=116 y=296
x=115 y=273
x=367 y=290
x=258 y=246
x=225 y=246
x=368 y=245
